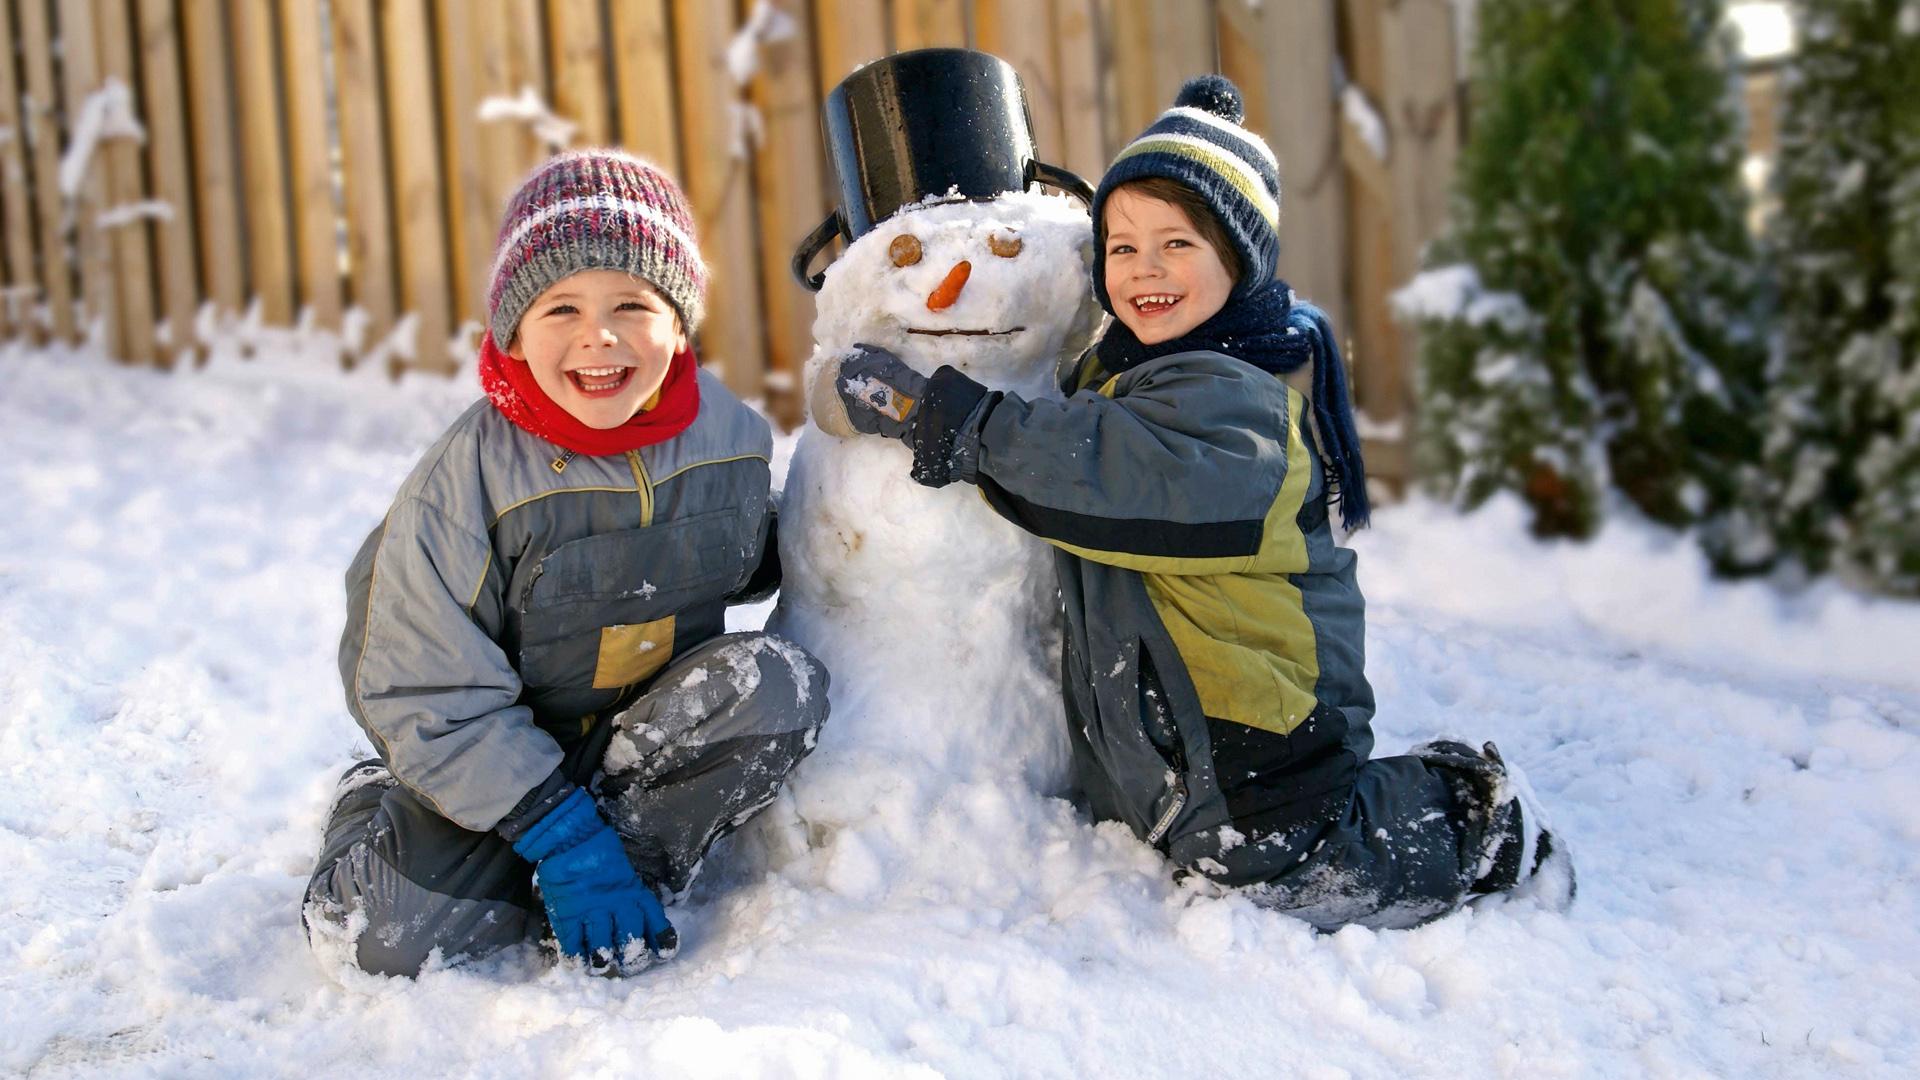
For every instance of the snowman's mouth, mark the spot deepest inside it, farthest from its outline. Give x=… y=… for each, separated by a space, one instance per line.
x=964 y=333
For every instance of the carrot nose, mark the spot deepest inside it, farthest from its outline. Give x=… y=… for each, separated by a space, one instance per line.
x=944 y=294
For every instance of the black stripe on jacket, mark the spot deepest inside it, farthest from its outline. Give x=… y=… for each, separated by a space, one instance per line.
x=1127 y=536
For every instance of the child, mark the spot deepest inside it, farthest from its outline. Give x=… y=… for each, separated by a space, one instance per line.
x=534 y=638
x=1213 y=666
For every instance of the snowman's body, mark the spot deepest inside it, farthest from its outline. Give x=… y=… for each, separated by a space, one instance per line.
x=936 y=617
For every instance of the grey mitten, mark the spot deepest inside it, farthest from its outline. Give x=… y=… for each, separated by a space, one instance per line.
x=868 y=391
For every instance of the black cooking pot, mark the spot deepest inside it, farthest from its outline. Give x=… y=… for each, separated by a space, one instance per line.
x=924 y=123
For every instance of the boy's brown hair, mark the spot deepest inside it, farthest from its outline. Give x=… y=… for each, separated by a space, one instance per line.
x=1188 y=202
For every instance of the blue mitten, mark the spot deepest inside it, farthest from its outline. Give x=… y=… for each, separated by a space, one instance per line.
x=599 y=908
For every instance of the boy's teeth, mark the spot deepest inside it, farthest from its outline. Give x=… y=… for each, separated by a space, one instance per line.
x=599 y=380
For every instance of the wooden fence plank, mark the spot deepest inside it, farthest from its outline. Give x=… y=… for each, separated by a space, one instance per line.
x=1242 y=57
x=1137 y=100
x=363 y=163
x=315 y=212
x=1418 y=50
x=784 y=91
x=168 y=163
x=1183 y=46
x=126 y=188
x=215 y=171
x=513 y=59
x=720 y=185
x=419 y=197
x=1377 y=357
x=576 y=49
x=263 y=159
x=527 y=35
x=472 y=56
x=1170 y=43
x=1021 y=33
x=56 y=270
x=1083 y=110
x=1418 y=95
x=1303 y=127
x=99 y=291
x=846 y=33
x=927 y=24
x=643 y=75
x=17 y=274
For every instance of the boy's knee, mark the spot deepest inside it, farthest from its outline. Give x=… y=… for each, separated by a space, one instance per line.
x=364 y=912
x=785 y=684
x=806 y=679
x=352 y=917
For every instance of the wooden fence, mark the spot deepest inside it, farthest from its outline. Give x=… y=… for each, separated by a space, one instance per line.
x=168 y=166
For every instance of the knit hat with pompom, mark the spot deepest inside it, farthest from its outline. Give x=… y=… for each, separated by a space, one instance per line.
x=1199 y=143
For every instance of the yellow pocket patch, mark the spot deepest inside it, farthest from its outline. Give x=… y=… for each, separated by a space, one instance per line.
x=632 y=653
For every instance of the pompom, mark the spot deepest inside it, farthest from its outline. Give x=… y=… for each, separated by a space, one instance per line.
x=1215 y=94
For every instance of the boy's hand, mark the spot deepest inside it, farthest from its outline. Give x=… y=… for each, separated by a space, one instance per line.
x=599 y=908
x=868 y=391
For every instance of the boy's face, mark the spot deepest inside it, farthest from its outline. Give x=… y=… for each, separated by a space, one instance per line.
x=1163 y=277
x=599 y=342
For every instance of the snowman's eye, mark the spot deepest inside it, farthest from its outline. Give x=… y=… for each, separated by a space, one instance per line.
x=905 y=250
x=1004 y=246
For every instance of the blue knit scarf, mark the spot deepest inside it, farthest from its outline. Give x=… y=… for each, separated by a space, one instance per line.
x=1267 y=328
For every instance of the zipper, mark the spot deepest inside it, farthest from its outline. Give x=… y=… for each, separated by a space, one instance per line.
x=643 y=485
x=1176 y=752
x=560 y=463
x=1173 y=810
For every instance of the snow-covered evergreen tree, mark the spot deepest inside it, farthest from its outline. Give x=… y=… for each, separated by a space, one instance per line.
x=1587 y=321
x=1843 y=445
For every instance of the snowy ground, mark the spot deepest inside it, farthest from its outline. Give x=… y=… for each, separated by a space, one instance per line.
x=1733 y=771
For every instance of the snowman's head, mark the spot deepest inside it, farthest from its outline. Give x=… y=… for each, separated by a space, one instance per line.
x=998 y=289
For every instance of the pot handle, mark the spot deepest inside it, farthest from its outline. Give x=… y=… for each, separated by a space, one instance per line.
x=816 y=241
x=1066 y=180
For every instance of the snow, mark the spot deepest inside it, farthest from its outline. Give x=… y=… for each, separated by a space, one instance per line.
x=1765 y=28
x=1394 y=430
x=107 y=113
x=1732 y=767
x=767 y=24
x=531 y=109
x=128 y=213
x=1358 y=111
x=1456 y=292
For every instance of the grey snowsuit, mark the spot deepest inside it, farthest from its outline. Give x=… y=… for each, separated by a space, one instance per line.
x=1215 y=636
x=526 y=620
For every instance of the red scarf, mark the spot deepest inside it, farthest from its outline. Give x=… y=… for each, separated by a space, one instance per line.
x=509 y=385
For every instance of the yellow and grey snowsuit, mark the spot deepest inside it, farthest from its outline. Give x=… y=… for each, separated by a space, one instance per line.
x=1215 y=635
x=520 y=611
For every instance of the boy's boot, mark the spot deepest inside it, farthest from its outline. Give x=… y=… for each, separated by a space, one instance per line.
x=1519 y=856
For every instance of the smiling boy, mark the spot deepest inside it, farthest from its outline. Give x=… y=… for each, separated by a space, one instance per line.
x=535 y=635
x=1215 y=629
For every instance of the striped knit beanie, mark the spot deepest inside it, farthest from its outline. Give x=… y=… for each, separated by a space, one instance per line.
x=594 y=210
x=1200 y=144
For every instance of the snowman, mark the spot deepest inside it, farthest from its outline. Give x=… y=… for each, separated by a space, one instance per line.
x=936 y=617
